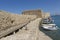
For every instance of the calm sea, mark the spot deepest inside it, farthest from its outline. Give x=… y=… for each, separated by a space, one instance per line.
x=55 y=35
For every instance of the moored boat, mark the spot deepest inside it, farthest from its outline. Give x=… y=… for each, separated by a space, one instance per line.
x=49 y=26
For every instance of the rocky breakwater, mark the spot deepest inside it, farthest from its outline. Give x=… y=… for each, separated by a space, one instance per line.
x=11 y=22
x=32 y=32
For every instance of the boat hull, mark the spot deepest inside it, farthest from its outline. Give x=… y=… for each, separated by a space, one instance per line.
x=49 y=27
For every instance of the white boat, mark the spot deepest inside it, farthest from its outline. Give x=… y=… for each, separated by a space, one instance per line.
x=46 y=21
x=49 y=26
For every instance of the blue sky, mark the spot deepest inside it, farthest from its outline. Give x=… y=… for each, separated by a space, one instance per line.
x=17 y=6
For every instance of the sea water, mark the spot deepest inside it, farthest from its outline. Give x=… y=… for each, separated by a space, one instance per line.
x=55 y=35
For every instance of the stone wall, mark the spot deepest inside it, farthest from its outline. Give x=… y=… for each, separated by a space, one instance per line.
x=46 y=15
x=8 y=20
x=11 y=22
x=5 y=20
x=33 y=12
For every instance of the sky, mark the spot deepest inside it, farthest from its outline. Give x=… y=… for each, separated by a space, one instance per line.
x=17 y=6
